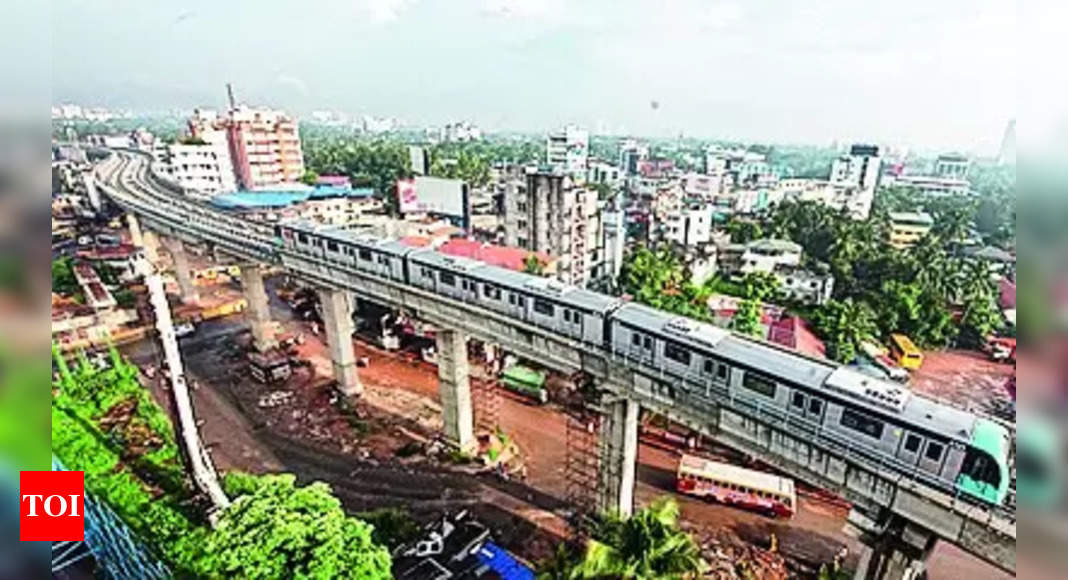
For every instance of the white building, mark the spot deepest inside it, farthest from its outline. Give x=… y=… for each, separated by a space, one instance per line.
x=950 y=166
x=462 y=132
x=568 y=149
x=856 y=176
x=615 y=240
x=606 y=173
x=782 y=259
x=931 y=185
x=690 y=226
x=630 y=154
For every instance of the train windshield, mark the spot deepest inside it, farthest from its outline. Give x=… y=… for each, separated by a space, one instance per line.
x=981 y=468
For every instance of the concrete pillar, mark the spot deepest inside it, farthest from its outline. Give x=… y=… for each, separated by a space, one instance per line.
x=337 y=320
x=134 y=225
x=182 y=272
x=259 y=311
x=619 y=457
x=454 y=386
x=897 y=550
x=151 y=246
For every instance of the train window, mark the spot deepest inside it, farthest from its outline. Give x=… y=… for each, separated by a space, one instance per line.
x=759 y=384
x=647 y=343
x=426 y=273
x=934 y=451
x=858 y=422
x=544 y=307
x=364 y=254
x=723 y=372
x=912 y=443
x=331 y=245
x=635 y=339
x=815 y=406
x=302 y=238
x=383 y=260
x=567 y=315
x=468 y=286
x=710 y=366
x=511 y=299
x=798 y=400
x=494 y=292
x=677 y=353
x=522 y=302
x=447 y=278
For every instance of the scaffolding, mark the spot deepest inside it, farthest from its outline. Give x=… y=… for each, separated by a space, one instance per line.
x=582 y=463
x=487 y=403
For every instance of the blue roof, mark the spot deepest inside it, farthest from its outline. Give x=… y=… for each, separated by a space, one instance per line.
x=500 y=561
x=262 y=199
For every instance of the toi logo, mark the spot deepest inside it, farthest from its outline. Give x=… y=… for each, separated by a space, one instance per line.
x=52 y=506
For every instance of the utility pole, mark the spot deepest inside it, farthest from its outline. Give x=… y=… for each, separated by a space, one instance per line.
x=204 y=475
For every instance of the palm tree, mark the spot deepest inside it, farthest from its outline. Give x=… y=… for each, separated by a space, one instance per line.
x=647 y=545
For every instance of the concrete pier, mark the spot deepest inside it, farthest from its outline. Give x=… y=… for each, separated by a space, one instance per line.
x=619 y=456
x=259 y=311
x=182 y=272
x=337 y=318
x=454 y=386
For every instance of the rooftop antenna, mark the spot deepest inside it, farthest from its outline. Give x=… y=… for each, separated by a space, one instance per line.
x=230 y=95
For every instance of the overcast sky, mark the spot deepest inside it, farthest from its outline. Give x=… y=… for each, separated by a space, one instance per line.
x=930 y=73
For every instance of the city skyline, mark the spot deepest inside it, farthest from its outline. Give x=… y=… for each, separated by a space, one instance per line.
x=768 y=72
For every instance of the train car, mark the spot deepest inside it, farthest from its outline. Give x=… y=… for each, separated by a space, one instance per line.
x=732 y=485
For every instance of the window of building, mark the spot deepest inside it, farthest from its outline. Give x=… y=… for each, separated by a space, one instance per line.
x=521 y=242
x=934 y=451
x=861 y=423
x=364 y=254
x=521 y=206
x=544 y=307
x=522 y=224
x=759 y=384
x=677 y=353
x=912 y=443
x=447 y=278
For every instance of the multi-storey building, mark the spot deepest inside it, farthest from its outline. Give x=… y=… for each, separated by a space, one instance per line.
x=907 y=228
x=689 y=226
x=856 y=176
x=782 y=259
x=568 y=150
x=200 y=165
x=264 y=144
x=950 y=166
x=553 y=215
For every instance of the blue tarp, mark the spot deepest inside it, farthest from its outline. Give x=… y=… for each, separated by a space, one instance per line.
x=283 y=198
x=501 y=562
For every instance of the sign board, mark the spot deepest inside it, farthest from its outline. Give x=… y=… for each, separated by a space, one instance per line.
x=434 y=195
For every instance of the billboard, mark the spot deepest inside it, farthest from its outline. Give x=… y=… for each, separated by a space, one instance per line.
x=445 y=197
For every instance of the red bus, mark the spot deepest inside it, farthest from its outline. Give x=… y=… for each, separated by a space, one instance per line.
x=737 y=486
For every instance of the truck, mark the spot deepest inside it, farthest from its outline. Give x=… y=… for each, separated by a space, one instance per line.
x=882 y=359
x=525 y=381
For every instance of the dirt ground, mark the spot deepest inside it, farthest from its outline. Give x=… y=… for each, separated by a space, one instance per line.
x=967 y=379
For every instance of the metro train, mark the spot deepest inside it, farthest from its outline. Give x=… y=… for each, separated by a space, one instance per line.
x=688 y=360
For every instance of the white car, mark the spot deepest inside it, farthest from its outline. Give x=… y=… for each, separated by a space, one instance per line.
x=184 y=329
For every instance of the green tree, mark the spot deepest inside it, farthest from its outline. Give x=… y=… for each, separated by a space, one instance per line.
x=747 y=319
x=651 y=275
x=844 y=325
x=647 y=545
x=63 y=280
x=533 y=265
x=980 y=315
x=760 y=286
x=277 y=530
x=310 y=177
x=124 y=298
x=744 y=231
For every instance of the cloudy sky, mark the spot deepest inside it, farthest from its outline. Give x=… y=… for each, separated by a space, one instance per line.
x=918 y=72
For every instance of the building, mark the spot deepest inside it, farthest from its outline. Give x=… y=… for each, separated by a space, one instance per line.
x=606 y=173
x=343 y=207
x=951 y=166
x=462 y=132
x=781 y=258
x=264 y=144
x=568 y=150
x=689 y=226
x=631 y=152
x=930 y=185
x=856 y=175
x=615 y=238
x=201 y=166
x=907 y=228
x=553 y=215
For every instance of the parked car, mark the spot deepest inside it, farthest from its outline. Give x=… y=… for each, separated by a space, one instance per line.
x=184 y=329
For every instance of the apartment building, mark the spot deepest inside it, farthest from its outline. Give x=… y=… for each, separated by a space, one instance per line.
x=549 y=213
x=907 y=228
x=568 y=150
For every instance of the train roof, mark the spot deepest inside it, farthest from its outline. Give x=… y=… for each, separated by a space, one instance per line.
x=772 y=361
x=436 y=259
x=938 y=417
x=568 y=294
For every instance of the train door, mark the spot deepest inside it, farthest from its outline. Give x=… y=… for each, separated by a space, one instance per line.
x=911 y=448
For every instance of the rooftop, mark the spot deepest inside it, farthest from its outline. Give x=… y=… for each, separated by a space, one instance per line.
x=266 y=199
x=911 y=217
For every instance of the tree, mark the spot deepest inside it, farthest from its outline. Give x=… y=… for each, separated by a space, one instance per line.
x=533 y=265
x=747 y=319
x=980 y=316
x=744 y=231
x=651 y=275
x=63 y=280
x=844 y=325
x=277 y=530
x=760 y=286
x=309 y=178
x=124 y=298
x=647 y=545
